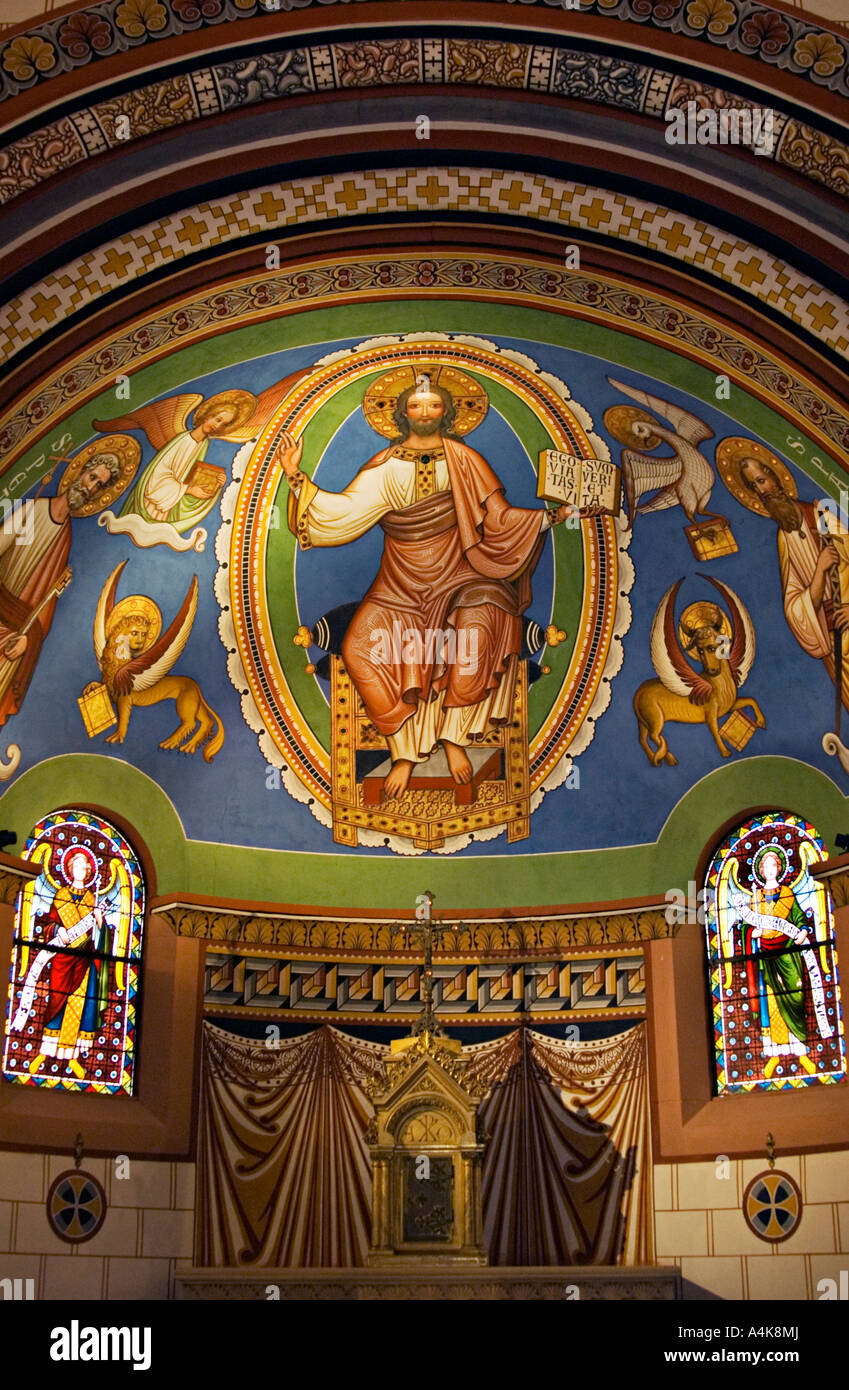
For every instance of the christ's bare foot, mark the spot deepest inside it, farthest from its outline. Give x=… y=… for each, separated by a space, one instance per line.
x=395 y=783
x=458 y=763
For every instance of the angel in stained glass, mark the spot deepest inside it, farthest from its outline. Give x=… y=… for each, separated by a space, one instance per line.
x=78 y=929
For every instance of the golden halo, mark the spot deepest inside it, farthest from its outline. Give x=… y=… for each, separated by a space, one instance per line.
x=618 y=420
x=729 y=454
x=700 y=614
x=380 y=398
x=137 y=606
x=243 y=402
x=122 y=447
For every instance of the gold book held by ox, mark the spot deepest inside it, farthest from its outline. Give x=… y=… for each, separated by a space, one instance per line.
x=737 y=729
x=96 y=709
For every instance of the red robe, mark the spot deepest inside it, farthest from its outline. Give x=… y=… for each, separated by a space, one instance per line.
x=475 y=574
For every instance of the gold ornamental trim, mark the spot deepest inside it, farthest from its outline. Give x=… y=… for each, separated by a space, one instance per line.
x=329 y=938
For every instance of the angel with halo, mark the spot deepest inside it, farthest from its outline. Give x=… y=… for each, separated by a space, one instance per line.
x=178 y=488
x=775 y=925
x=78 y=927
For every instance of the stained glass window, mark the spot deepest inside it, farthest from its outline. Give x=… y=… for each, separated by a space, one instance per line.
x=71 y=1016
x=773 y=968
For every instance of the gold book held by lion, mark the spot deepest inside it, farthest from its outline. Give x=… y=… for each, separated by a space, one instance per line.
x=96 y=709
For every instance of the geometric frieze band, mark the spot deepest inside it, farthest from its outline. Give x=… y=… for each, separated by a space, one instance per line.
x=391 y=992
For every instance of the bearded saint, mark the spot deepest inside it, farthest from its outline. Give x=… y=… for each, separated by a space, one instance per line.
x=35 y=541
x=456 y=555
x=806 y=559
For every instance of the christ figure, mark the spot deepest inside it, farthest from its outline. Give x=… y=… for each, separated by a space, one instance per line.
x=456 y=556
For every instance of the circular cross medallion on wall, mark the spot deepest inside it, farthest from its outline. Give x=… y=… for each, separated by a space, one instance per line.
x=772 y=1206
x=76 y=1206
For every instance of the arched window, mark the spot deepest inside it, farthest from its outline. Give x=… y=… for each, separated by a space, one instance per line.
x=71 y=1018
x=773 y=968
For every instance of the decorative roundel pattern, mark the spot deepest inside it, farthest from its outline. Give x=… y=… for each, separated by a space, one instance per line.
x=76 y=1206
x=772 y=1206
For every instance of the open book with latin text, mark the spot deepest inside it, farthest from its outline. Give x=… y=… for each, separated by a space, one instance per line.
x=581 y=482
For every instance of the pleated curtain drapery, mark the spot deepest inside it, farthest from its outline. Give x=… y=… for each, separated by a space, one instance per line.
x=284 y=1175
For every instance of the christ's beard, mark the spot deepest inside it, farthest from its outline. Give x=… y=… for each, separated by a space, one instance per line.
x=423 y=426
x=783 y=510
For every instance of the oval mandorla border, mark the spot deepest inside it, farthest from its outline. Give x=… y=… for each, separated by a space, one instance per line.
x=245 y=630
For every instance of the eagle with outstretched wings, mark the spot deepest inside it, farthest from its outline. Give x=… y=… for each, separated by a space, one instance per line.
x=131 y=653
x=686 y=479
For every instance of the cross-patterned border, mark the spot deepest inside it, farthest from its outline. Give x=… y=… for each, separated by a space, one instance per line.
x=273 y=208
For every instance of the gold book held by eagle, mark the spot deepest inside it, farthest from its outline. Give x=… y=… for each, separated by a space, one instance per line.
x=737 y=729
x=96 y=709
x=710 y=539
x=580 y=482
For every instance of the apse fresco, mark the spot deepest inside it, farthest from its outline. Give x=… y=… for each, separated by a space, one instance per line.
x=430 y=592
x=71 y=1008
x=773 y=965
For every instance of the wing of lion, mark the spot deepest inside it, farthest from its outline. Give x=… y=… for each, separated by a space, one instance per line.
x=105 y=604
x=146 y=669
x=673 y=669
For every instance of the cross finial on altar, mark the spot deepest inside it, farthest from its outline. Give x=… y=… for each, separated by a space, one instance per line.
x=427 y=1025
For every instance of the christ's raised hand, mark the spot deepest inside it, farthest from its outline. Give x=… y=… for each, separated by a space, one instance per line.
x=288 y=457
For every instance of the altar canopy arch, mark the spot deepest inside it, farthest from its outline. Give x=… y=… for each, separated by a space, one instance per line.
x=774 y=980
x=73 y=997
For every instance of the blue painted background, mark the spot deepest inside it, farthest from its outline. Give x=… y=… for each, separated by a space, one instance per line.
x=622 y=799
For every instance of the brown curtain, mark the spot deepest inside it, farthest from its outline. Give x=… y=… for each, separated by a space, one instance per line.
x=566 y=1174
x=284 y=1173
x=284 y=1177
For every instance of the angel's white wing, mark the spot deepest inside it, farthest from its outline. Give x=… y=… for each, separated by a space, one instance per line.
x=728 y=892
x=811 y=895
x=688 y=425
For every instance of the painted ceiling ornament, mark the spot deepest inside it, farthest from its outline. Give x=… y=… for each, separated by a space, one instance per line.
x=323 y=733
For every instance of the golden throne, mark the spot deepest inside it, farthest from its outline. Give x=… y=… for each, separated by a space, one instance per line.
x=433 y=807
